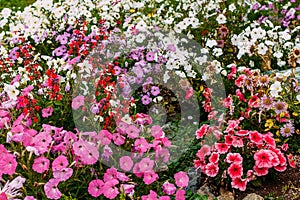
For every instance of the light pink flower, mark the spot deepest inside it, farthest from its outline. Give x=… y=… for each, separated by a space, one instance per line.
x=156 y=131
x=126 y=163
x=63 y=174
x=181 y=179
x=141 y=145
x=146 y=165
x=51 y=189
x=110 y=190
x=150 y=177
x=77 y=102
x=169 y=188
x=41 y=164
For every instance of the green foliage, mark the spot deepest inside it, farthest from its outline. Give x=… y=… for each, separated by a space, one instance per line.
x=13 y=4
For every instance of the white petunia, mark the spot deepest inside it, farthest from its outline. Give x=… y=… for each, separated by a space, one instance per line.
x=275 y=88
x=298 y=97
x=262 y=49
x=11 y=91
x=221 y=19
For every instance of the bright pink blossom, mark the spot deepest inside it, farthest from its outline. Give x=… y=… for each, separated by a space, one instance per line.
x=169 y=188
x=126 y=163
x=96 y=188
x=235 y=170
x=239 y=183
x=51 y=189
x=41 y=164
x=181 y=179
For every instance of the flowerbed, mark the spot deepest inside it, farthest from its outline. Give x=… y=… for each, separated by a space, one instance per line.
x=119 y=99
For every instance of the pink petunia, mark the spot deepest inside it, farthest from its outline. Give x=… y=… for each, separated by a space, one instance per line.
x=132 y=131
x=8 y=164
x=261 y=171
x=256 y=137
x=60 y=163
x=204 y=151
x=242 y=133
x=214 y=157
x=118 y=139
x=141 y=145
x=63 y=174
x=239 y=183
x=77 y=102
x=51 y=189
x=47 y=112
x=41 y=164
x=237 y=141
x=169 y=188
x=180 y=195
x=122 y=177
x=150 y=177
x=235 y=170
x=202 y=131
x=156 y=131
x=95 y=188
x=146 y=165
x=104 y=137
x=42 y=141
x=151 y=196
x=164 y=198
x=126 y=163
x=181 y=179
x=110 y=174
x=268 y=138
x=91 y=156
x=234 y=158
x=110 y=190
x=263 y=159
x=222 y=148
x=211 y=169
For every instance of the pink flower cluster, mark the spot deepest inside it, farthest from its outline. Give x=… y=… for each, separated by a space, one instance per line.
x=8 y=162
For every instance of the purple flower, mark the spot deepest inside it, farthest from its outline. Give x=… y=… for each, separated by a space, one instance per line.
x=155 y=90
x=47 y=112
x=146 y=99
x=60 y=51
x=150 y=56
x=287 y=130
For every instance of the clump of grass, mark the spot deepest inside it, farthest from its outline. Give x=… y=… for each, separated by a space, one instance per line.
x=15 y=5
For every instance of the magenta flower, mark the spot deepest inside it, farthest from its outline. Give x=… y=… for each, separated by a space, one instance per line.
x=96 y=187
x=42 y=141
x=8 y=164
x=169 y=188
x=51 y=189
x=181 y=179
x=63 y=174
x=110 y=189
x=110 y=174
x=150 y=177
x=235 y=170
x=141 y=145
x=132 y=131
x=104 y=137
x=47 y=112
x=146 y=99
x=180 y=195
x=151 y=196
x=164 y=198
x=41 y=164
x=126 y=163
x=155 y=90
x=263 y=158
x=29 y=198
x=60 y=163
x=91 y=156
x=118 y=139
x=150 y=56
x=77 y=102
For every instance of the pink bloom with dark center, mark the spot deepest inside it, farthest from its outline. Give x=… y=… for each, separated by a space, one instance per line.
x=110 y=190
x=263 y=159
x=150 y=177
x=141 y=145
x=63 y=174
x=132 y=131
x=47 y=112
x=261 y=171
x=204 y=151
x=239 y=183
x=60 y=163
x=211 y=169
x=222 y=148
x=214 y=157
x=95 y=188
x=235 y=170
x=234 y=158
x=256 y=137
x=181 y=179
x=202 y=131
x=41 y=164
x=51 y=189
x=8 y=164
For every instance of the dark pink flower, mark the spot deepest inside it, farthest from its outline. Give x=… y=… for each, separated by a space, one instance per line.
x=180 y=195
x=204 y=151
x=234 y=158
x=263 y=159
x=8 y=164
x=214 y=157
x=221 y=147
x=151 y=196
x=256 y=137
x=261 y=171
x=235 y=170
x=156 y=131
x=211 y=169
x=41 y=164
x=202 y=131
x=239 y=183
x=141 y=145
x=110 y=190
